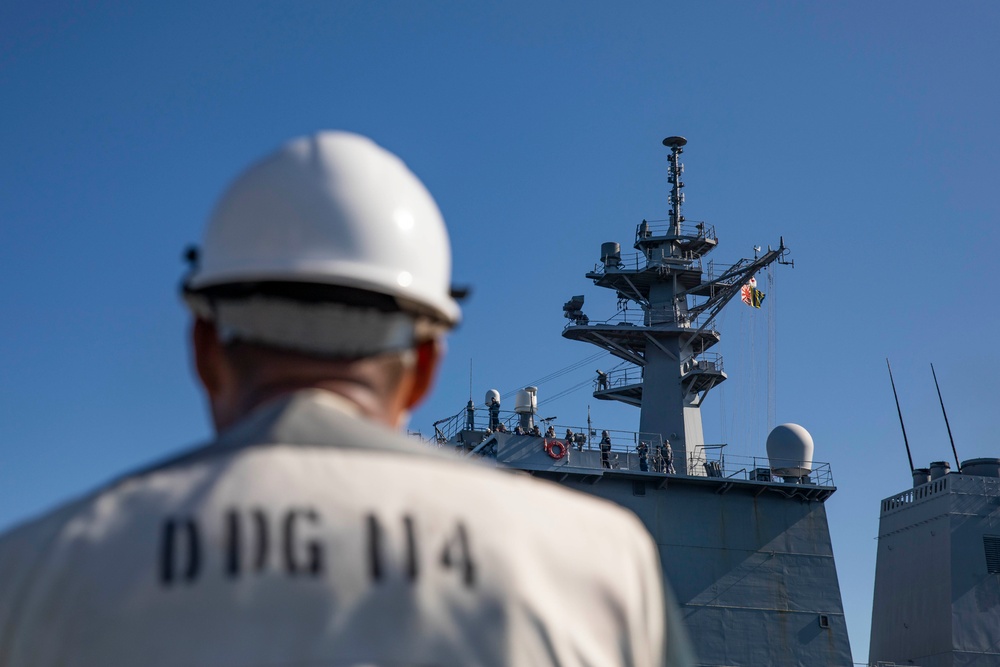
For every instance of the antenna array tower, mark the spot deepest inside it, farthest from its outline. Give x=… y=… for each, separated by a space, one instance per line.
x=666 y=279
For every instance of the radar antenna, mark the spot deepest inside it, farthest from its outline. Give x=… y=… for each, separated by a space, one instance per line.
x=674 y=172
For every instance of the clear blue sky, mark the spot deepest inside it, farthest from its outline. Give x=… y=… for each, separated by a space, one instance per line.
x=864 y=133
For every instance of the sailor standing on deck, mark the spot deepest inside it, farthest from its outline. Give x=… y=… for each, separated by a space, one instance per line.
x=308 y=531
x=643 y=451
x=668 y=458
x=494 y=413
x=470 y=416
x=605 y=445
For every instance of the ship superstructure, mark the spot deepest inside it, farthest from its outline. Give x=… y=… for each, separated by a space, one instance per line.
x=744 y=542
x=679 y=305
x=937 y=575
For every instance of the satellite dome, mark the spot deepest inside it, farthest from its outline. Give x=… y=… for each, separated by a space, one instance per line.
x=526 y=401
x=491 y=394
x=790 y=450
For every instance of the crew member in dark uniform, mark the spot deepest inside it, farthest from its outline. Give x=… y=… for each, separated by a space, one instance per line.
x=668 y=458
x=470 y=416
x=643 y=451
x=494 y=413
x=605 y=449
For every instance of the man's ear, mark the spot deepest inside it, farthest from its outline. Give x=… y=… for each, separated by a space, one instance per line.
x=208 y=356
x=429 y=356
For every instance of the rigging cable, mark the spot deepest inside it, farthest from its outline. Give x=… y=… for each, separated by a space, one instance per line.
x=771 y=349
x=576 y=387
x=724 y=424
x=749 y=415
x=742 y=415
x=559 y=373
x=565 y=392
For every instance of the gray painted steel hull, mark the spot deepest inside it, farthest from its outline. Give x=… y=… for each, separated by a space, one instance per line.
x=751 y=563
x=937 y=602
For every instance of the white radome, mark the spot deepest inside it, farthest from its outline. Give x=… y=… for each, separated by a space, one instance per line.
x=790 y=450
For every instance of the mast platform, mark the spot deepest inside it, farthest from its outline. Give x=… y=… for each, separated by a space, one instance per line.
x=630 y=342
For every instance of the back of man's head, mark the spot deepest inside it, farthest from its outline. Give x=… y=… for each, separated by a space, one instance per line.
x=325 y=263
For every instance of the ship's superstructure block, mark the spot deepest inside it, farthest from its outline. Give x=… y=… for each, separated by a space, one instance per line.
x=937 y=576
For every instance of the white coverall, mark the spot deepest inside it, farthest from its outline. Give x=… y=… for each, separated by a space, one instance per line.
x=306 y=536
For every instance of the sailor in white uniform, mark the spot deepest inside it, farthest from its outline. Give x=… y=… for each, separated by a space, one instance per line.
x=308 y=532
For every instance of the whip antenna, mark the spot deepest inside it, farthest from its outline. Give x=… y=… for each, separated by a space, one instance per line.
x=958 y=466
x=900 y=413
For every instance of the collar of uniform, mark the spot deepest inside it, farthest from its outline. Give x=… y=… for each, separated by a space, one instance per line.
x=314 y=417
x=307 y=418
x=323 y=399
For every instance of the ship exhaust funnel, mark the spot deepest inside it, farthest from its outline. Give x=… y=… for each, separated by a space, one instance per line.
x=939 y=469
x=981 y=467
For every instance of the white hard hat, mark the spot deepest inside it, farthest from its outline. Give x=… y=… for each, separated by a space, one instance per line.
x=333 y=209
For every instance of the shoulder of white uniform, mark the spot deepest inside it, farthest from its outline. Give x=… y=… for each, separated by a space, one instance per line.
x=308 y=419
x=44 y=526
x=282 y=422
x=548 y=496
x=24 y=552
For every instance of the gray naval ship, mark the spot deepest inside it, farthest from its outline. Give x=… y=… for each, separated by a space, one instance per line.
x=937 y=574
x=744 y=542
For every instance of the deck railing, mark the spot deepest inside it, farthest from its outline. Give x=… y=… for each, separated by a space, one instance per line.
x=622 y=377
x=633 y=450
x=637 y=317
x=692 y=229
x=716 y=463
x=637 y=261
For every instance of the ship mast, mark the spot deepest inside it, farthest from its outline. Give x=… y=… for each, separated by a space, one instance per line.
x=679 y=305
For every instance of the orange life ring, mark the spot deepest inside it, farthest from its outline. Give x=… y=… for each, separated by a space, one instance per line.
x=555 y=449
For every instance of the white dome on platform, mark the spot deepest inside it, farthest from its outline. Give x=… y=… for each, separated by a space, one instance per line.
x=790 y=450
x=526 y=401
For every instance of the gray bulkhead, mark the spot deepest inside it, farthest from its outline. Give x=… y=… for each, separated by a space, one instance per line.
x=937 y=575
x=751 y=563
